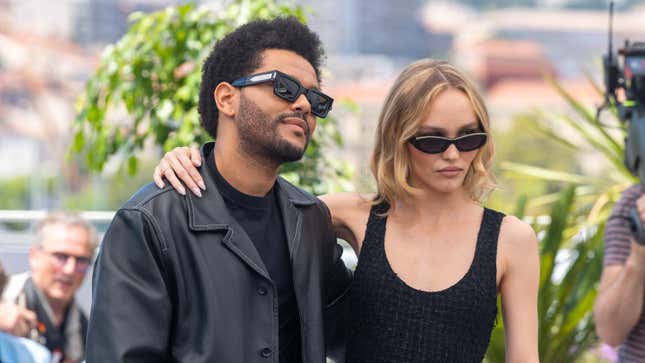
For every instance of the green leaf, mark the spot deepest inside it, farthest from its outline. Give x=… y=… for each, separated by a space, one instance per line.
x=132 y=164
x=542 y=173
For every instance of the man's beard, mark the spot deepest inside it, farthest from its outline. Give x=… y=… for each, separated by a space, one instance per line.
x=259 y=135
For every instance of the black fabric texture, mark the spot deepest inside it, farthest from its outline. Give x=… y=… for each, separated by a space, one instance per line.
x=261 y=219
x=393 y=322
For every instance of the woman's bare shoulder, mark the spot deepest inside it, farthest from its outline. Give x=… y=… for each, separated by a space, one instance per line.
x=517 y=241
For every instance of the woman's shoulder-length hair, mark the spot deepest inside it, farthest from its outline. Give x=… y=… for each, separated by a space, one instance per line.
x=402 y=114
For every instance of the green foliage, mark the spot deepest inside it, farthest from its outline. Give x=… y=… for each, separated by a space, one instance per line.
x=146 y=89
x=583 y=133
x=568 y=277
x=522 y=143
x=572 y=243
x=14 y=193
x=108 y=191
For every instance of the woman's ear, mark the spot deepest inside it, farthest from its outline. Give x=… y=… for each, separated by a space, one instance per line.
x=226 y=98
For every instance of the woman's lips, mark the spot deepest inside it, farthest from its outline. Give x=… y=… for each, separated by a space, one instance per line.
x=450 y=171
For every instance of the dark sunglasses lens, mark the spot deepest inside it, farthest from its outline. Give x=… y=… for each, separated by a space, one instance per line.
x=431 y=145
x=470 y=142
x=320 y=103
x=286 y=88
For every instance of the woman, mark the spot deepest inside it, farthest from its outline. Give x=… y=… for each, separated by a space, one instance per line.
x=432 y=259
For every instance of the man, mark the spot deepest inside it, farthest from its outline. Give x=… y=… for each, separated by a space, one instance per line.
x=58 y=261
x=250 y=271
x=618 y=311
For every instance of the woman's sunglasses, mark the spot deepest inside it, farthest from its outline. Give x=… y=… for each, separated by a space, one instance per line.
x=287 y=88
x=439 y=144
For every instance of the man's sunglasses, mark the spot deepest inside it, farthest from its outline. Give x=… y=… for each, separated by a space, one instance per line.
x=287 y=88
x=439 y=144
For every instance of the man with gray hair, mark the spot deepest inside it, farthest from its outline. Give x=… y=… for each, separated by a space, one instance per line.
x=58 y=260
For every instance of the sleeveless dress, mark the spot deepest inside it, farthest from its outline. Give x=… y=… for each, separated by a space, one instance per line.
x=393 y=322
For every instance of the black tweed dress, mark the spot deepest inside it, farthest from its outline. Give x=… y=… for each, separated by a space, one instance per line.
x=393 y=322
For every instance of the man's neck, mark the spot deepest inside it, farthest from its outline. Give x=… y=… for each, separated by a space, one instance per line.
x=245 y=173
x=59 y=309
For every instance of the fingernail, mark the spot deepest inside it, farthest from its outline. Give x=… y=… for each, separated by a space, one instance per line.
x=201 y=185
x=197 y=192
x=182 y=191
x=198 y=162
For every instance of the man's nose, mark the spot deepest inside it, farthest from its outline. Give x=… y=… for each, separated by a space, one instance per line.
x=70 y=265
x=302 y=104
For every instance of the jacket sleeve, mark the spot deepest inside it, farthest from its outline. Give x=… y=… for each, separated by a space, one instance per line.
x=131 y=310
x=337 y=284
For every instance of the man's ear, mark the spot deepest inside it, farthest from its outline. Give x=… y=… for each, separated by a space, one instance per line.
x=226 y=98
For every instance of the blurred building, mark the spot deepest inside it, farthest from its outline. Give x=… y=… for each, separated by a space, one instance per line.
x=49 y=50
x=86 y=22
x=511 y=52
x=494 y=61
x=372 y=27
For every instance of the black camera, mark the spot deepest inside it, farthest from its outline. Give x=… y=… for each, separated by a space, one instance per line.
x=630 y=106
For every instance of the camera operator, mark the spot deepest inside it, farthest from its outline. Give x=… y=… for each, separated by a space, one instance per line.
x=618 y=311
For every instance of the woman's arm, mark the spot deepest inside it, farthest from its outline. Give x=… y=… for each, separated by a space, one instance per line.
x=349 y=211
x=339 y=205
x=519 y=286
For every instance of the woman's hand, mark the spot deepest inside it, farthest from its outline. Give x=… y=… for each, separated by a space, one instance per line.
x=180 y=165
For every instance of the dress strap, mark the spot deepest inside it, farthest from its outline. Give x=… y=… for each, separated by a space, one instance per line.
x=485 y=263
x=375 y=230
x=491 y=225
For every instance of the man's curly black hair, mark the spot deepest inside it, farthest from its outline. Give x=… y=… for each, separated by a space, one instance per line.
x=238 y=55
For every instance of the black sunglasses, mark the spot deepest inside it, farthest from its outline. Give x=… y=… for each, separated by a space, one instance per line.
x=438 y=144
x=287 y=88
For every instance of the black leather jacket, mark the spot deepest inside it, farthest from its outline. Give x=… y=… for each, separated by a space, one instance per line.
x=177 y=280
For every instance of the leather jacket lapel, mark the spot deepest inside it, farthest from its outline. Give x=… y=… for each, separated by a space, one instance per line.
x=291 y=200
x=292 y=219
x=209 y=213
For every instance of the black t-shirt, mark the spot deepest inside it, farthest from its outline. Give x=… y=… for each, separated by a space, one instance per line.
x=261 y=219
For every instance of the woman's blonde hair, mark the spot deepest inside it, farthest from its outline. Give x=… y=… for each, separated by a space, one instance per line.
x=402 y=115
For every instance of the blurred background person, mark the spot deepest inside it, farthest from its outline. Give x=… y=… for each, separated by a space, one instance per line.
x=14 y=319
x=618 y=311
x=58 y=262
x=17 y=319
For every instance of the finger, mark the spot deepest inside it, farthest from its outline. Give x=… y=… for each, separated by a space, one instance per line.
x=193 y=176
x=20 y=329
x=158 y=178
x=195 y=156
x=179 y=172
x=29 y=317
x=169 y=174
